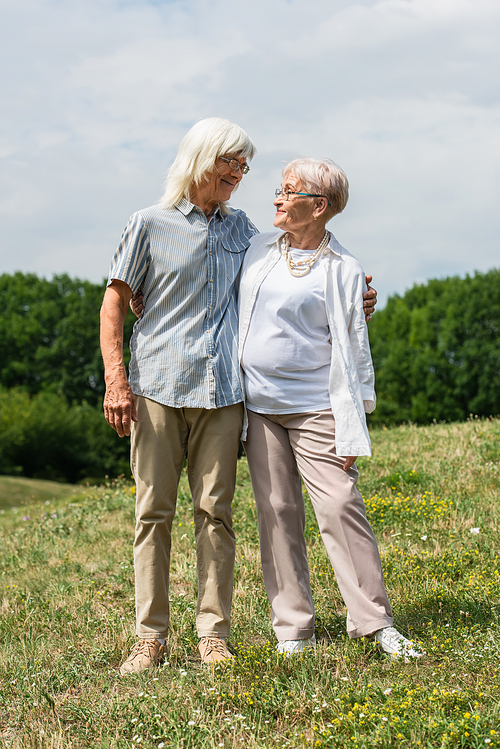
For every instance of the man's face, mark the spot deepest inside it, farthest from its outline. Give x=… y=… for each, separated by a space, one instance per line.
x=223 y=179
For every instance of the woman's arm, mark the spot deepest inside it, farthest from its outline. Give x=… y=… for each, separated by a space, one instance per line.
x=137 y=306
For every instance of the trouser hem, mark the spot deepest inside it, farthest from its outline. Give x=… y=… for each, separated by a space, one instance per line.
x=370 y=627
x=218 y=635
x=292 y=633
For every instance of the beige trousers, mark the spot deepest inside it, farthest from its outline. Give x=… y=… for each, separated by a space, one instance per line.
x=278 y=447
x=159 y=442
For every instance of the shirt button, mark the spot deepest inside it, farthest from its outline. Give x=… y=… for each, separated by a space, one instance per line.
x=209 y=306
x=209 y=253
x=211 y=280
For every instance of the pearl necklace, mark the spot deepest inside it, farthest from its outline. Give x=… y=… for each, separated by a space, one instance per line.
x=292 y=266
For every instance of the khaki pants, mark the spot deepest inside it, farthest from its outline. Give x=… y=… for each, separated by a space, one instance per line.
x=278 y=447
x=159 y=442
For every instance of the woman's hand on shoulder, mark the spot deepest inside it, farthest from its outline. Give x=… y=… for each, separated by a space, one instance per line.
x=369 y=300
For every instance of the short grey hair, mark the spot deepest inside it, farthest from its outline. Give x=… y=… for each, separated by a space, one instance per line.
x=323 y=177
x=200 y=147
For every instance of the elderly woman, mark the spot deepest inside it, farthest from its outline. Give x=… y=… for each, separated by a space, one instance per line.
x=308 y=377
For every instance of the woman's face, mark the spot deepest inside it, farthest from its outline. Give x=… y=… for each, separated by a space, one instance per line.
x=296 y=214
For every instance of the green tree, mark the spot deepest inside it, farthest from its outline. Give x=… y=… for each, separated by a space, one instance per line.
x=436 y=351
x=51 y=381
x=50 y=336
x=42 y=436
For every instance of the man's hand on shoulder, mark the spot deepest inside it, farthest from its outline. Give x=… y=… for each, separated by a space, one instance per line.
x=369 y=300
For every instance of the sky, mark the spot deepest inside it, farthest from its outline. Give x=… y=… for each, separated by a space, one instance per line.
x=402 y=94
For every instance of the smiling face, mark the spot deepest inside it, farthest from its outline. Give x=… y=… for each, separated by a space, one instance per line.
x=297 y=214
x=222 y=180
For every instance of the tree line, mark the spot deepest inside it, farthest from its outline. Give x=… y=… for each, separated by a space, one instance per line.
x=51 y=381
x=435 y=349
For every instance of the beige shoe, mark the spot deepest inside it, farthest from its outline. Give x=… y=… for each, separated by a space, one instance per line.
x=213 y=650
x=144 y=655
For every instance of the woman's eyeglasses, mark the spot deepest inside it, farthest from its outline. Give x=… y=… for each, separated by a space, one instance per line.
x=285 y=194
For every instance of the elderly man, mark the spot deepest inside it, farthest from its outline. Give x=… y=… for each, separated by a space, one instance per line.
x=184 y=390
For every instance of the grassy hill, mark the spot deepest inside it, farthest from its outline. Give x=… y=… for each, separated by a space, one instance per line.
x=20 y=492
x=432 y=496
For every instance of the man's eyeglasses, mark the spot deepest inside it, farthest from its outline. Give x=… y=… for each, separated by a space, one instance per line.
x=285 y=194
x=235 y=166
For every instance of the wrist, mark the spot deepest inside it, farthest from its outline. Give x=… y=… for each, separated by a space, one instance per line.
x=116 y=378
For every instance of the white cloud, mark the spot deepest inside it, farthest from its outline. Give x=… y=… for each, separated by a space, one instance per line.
x=51 y=139
x=7 y=148
x=139 y=79
x=364 y=26
x=23 y=201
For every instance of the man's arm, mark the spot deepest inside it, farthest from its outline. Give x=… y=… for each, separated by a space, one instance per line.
x=369 y=300
x=119 y=401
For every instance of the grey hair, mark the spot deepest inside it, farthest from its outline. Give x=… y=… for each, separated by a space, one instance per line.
x=323 y=177
x=198 y=150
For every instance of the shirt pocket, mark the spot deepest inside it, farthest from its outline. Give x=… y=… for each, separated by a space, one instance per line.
x=233 y=255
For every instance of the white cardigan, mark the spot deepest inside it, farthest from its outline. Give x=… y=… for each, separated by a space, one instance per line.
x=352 y=378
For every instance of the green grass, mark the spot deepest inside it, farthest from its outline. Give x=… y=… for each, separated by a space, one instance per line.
x=19 y=492
x=66 y=577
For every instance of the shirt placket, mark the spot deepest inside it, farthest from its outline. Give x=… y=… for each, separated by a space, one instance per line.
x=209 y=318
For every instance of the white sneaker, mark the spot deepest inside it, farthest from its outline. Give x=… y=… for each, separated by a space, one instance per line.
x=295 y=646
x=393 y=642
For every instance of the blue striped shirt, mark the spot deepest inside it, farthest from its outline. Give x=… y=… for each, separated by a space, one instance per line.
x=184 y=348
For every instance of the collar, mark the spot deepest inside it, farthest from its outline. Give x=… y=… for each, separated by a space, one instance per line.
x=333 y=246
x=185 y=207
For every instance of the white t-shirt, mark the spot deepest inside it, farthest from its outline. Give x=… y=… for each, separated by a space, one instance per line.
x=287 y=353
